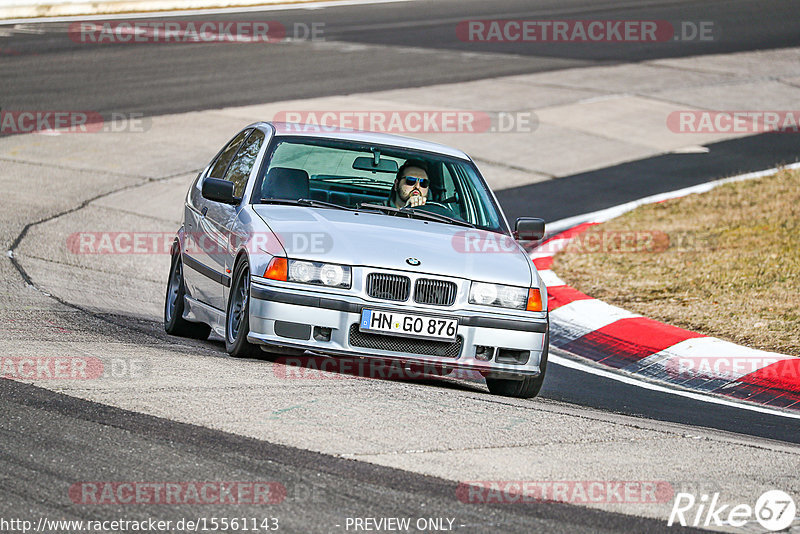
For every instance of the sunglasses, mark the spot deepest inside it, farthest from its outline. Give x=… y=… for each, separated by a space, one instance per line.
x=411 y=180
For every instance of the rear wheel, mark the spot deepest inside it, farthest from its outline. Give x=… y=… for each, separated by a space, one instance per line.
x=528 y=387
x=174 y=323
x=237 y=318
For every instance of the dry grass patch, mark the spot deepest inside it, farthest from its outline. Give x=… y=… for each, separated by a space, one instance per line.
x=724 y=263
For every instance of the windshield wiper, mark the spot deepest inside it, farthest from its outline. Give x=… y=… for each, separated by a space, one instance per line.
x=416 y=213
x=305 y=202
x=438 y=217
x=380 y=207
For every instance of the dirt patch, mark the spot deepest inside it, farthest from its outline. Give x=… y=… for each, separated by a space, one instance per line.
x=724 y=263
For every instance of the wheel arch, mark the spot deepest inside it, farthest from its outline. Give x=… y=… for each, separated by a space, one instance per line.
x=241 y=254
x=177 y=241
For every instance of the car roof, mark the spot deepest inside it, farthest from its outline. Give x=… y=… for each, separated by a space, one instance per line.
x=346 y=134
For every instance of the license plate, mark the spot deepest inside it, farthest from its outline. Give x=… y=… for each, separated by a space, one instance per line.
x=408 y=325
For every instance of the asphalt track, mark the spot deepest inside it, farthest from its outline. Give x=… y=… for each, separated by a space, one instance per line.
x=595 y=190
x=50 y=440
x=321 y=490
x=366 y=48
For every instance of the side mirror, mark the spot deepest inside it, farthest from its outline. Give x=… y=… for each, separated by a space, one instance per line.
x=219 y=191
x=529 y=229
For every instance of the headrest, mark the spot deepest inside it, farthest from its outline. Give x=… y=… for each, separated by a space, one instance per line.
x=283 y=182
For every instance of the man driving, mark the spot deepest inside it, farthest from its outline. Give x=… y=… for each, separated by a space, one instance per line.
x=411 y=185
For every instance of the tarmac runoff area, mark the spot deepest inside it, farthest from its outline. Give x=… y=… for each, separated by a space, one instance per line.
x=108 y=306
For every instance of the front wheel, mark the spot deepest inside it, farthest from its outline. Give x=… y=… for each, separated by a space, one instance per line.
x=237 y=318
x=528 y=387
x=174 y=323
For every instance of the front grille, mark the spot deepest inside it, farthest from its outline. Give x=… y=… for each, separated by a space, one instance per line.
x=405 y=344
x=435 y=292
x=388 y=286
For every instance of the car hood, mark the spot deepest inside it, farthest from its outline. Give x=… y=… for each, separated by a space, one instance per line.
x=384 y=241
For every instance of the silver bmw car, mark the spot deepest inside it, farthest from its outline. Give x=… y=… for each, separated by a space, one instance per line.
x=346 y=243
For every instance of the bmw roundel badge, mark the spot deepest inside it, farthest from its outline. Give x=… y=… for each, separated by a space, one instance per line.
x=413 y=261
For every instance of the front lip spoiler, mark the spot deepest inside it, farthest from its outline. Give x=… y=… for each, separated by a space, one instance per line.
x=485 y=371
x=350 y=307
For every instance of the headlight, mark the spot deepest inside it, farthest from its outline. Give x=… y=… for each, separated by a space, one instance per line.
x=324 y=274
x=498 y=295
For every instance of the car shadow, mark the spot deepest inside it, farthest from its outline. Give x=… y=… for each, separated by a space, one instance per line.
x=311 y=366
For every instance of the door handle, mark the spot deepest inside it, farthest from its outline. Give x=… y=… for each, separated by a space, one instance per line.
x=204 y=210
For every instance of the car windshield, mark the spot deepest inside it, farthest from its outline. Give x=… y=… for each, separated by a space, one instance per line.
x=353 y=175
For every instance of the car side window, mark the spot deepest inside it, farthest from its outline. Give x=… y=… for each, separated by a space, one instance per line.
x=448 y=184
x=221 y=164
x=242 y=164
x=453 y=193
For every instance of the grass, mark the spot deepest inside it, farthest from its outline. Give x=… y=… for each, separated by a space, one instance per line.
x=724 y=263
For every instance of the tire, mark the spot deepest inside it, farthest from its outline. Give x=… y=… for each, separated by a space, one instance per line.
x=237 y=316
x=174 y=323
x=528 y=387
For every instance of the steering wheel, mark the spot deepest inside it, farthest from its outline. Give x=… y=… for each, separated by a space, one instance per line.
x=439 y=208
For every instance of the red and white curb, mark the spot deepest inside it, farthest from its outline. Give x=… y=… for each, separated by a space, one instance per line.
x=636 y=345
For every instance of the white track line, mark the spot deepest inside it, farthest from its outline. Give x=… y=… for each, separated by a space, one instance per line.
x=200 y=11
x=578 y=366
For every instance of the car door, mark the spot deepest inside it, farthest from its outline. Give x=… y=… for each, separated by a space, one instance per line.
x=222 y=218
x=203 y=244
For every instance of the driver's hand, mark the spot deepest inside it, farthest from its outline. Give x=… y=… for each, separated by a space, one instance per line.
x=415 y=200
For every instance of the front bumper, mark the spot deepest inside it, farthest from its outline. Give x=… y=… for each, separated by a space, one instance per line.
x=326 y=324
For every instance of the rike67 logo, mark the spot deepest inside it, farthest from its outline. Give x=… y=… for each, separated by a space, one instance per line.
x=774 y=510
